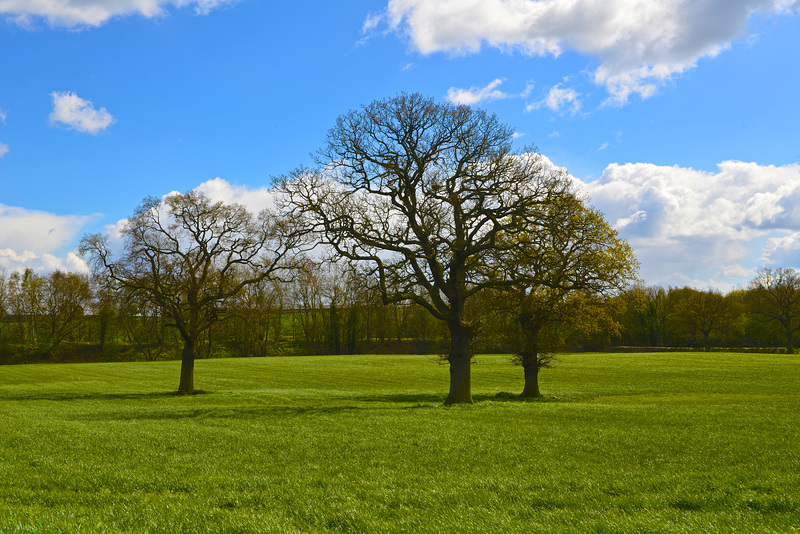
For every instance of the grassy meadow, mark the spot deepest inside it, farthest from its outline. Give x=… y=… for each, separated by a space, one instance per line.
x=624 y=443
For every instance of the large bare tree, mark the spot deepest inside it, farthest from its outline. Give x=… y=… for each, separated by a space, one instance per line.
x=420 y=191
x=187 y=254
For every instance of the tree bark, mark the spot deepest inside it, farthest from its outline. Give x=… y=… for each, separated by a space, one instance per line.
x=186 y=386
x=460 y=364
x=530 y=367
x=530 y=354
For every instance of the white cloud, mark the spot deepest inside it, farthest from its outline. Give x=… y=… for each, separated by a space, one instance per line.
x=371 y=22
x=32 y=238
x=473 y=95
x=37 y=231
x=558 y=99
x=218 y=190
x=639 y=44
x=782 y=250
x=689 y=222
x=78 y=114
x=3 y=116
x=94 y=13
x=35 y=239
x=255 y=200
x=14 y=261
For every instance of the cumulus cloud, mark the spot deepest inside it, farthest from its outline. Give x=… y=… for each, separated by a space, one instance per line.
x=37 y=231
x=781 y=250
x=473 y=95
x=690 y=222
x=218 y=190
x=94 y=13
x=35 y=239
x=639 y=44
x=78 y=114
x=32 y=238
x=254 y=199
x=14 y=261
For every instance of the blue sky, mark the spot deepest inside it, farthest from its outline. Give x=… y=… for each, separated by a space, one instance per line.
x=679 y=119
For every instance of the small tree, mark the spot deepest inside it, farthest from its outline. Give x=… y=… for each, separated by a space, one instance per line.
x=775 y=296
x=558 y=275
x=420 y=192
x=25 y=296
x=545 y=319
x=187 y=254
x=65 y=297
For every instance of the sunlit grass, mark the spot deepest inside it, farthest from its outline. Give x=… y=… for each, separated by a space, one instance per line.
x=624 y=443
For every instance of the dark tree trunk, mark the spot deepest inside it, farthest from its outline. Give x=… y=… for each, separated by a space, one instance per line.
x=530 y=354
x=531 y=367
x=186 y=386
x=460 y=364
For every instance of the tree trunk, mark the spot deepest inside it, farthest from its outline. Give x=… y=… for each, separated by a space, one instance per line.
x=530 y=354
x=186 y=386
x=460 y=364
x=530 y=367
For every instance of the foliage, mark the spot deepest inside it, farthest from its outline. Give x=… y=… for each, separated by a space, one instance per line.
x=560 y=275
x=699 y=314
x=775 y=296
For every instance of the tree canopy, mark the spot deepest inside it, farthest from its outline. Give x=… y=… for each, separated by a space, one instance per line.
x=186 y=254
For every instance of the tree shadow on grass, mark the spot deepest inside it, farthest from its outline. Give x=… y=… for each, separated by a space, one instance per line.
x=419 y=399
x=505 y=396
x=177 y=410
x=216 y=413
x=423 y=400
x=70 y=396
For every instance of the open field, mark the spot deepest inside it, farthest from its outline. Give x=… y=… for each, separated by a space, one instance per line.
x=632 y=443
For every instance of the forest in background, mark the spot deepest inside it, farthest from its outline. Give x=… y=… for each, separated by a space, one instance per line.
x=331 y=309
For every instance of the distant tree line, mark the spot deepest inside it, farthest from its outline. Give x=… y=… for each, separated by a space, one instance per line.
x=764 y=315
x=324 y=309
x=333 y=309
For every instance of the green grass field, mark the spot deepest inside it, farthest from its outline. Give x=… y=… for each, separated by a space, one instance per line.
x=626 y=443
